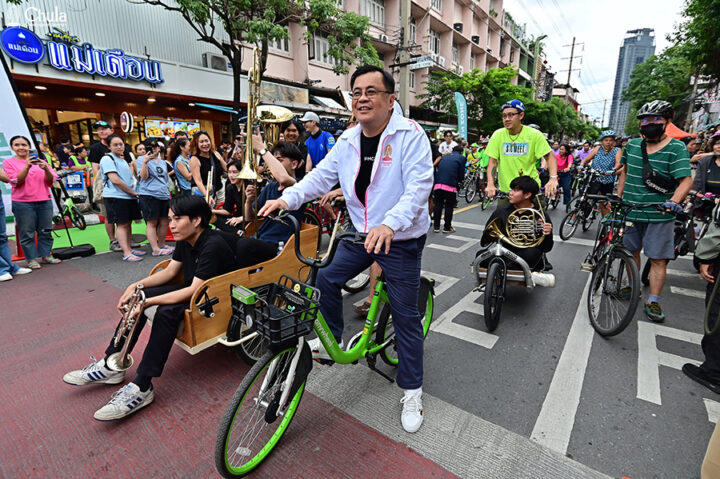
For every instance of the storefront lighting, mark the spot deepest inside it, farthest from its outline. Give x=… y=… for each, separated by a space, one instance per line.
x=99 y=93
x=40 y=87
x=151 y=99
x=191 y=104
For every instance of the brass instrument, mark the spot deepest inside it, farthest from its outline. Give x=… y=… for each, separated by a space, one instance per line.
x=523 y=228
x=122 y=360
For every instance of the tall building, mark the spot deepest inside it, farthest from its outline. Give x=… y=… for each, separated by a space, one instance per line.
x=637 y=46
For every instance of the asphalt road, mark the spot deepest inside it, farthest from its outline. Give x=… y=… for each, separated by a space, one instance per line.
x=543 y=384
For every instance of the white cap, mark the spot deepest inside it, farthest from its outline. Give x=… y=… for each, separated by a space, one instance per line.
x=310 y=116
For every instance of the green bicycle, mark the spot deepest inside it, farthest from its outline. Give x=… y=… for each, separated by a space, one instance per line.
x=267 y=399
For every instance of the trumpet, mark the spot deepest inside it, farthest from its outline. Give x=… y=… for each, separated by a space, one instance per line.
x=122 y=360
x=523 y=228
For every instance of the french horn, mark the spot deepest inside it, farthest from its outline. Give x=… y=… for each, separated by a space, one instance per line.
x=523 y=228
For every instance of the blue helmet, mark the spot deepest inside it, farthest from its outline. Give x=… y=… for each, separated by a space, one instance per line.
x=607 y=133
x=517 y=104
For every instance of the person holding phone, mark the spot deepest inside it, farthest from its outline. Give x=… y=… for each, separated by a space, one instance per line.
x=31 y=179
x=154 y=196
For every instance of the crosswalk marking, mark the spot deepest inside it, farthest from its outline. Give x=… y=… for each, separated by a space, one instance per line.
x=693 y=293
x=467 y=243
x=713 y=409
x=444 y=324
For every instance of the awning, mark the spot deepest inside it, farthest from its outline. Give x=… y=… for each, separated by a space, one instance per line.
x=677 y=133
x=327 y=102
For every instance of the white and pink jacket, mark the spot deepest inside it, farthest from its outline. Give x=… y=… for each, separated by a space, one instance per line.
x=400 y=184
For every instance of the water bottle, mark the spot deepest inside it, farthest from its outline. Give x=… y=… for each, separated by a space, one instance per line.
x=281 y=245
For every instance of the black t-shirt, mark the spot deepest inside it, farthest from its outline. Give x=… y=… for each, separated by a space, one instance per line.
x=712 y=182
x=205 y=164
x=234 y=199
x=211 y=256
x=368 y=151
x=300 y=170
x=98 y=150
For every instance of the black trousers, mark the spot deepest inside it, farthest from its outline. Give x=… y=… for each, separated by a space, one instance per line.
x=251 y=251
x=711 y=344
x=532 y=256
x=164 y=330
x=444 y=200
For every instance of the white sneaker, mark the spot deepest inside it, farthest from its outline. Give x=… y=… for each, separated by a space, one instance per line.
x=546 y=280
x=412 y=412
x=125 y=401
x=23 y=271
x=5 y=277
x=95 y=372
x=318 y=350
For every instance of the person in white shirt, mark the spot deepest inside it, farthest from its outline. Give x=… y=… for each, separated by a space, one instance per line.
x=447 y=146
x=385 y=171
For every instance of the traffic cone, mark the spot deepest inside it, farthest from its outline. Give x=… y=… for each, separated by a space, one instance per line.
x=20 y=255
x=169 y=236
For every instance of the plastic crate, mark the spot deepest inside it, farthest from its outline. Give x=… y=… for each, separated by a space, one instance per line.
x=280 y=312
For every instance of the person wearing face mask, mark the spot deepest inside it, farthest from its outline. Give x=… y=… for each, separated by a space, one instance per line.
x=666 y=182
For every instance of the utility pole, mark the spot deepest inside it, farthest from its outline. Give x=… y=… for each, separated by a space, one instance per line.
x=404 y=57
x=538 y=67
x=572 y=53
x=603 y=116
x=688 y=118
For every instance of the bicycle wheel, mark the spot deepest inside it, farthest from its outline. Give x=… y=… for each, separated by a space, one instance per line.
x=556 y=200
x=588 y=222
x=250 y=428
x=77 y=218
x=253 y=349
x=486 y=202
x=569 y=224
x=614 y=293
x=311 y=218
x=358 y=283
x=494 y=294
x=385 y=330
x=471 y=190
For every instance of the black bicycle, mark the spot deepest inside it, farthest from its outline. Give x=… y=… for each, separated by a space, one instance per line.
x=584 y=210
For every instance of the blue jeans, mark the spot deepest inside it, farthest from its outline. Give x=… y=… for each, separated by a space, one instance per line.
x=34 y=217
x=6 y=265
x=402 y=272
x=565 y=180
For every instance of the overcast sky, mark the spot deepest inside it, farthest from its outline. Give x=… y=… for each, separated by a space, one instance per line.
x=601 y=26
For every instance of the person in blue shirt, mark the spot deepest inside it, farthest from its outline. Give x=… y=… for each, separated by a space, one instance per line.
x=154 y=196
x=450 y=173
x=180 y=158
x=119 y=197
x=319 y=143
x=282 y=162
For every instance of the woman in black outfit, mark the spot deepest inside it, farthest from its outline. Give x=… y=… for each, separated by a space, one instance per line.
x=229 y=215
x=204 y=157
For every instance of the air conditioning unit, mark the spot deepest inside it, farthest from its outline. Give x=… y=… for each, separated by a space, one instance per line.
x=460 y=70
x=434 y=57
x=458 y=27
x=475 y=39
x=383 y=38
x=441 y=61
x=214 y=61
x=489 y=50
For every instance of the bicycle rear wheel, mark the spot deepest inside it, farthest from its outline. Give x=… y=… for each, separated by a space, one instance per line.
x=252 y=350
x=569 y=224
x=614 y=293
x=252 y=426
x=494 y=295
x=471 y=190
x=386 y=331
x=311 y=218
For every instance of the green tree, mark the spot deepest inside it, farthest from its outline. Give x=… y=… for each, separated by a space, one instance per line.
x=665 y=76
x=261 y=22
x=632 y=128
x=700 y=35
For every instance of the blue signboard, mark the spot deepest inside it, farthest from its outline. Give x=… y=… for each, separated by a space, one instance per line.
x=22 y=45
x=461 y=105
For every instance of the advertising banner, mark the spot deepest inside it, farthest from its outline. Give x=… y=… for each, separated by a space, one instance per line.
x=13 y=121
x=461 y=105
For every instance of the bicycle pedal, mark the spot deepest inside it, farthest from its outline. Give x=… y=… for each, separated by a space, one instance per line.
x=324 y=362
x=587 y=267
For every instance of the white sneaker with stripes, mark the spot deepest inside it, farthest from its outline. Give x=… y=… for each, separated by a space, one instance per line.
x=95 y=372
x=125 y=401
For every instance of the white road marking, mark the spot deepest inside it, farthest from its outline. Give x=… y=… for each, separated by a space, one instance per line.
x=555 y=423
x=442 y=282
x=467 y=243
x=682 y=274
x=693 y=293
x=650 y=358
x=577 y=241
x=444 y=324
x=713 y=409
x=470 y=226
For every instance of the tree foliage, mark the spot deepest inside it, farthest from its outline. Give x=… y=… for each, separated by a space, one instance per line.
x=700 y=35
x=485 y=93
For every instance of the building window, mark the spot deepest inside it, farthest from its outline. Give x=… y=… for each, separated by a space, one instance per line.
x=413 y=31
x=322 y=45
x=436 y=4
x=488 y=40
x=512 y=56
x=472 y=62
x=434 y=42
x=374 y=10
x=455 y=54
x=412 y=80
x=281 y=45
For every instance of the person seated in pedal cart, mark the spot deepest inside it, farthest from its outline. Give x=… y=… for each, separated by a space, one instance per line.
x=522 y=195
x=656 y=172
x=604 y=158
x=385 y=171
x=200 y=253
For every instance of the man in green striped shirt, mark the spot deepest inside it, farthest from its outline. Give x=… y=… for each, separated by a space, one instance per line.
x=653 y=230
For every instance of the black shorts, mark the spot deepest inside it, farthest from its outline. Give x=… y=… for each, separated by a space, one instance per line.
x=597 y=188
x=121 y=210
x=153 y=208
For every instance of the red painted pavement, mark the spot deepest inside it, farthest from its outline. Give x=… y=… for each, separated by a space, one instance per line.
x=53 y=319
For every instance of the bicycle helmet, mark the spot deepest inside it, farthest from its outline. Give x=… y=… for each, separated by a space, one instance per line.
x=533 y=125
x=607 y=133
x=656 y=108
x=517 y=104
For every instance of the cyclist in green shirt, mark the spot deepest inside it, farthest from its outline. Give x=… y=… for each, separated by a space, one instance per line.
x=514 y=150
x=652 y=230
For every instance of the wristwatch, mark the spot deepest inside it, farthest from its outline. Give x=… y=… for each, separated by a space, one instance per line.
x=553 y=176
x=263 y=151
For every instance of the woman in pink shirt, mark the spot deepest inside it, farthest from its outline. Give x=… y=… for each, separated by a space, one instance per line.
x=564 y=166
x=31 y=179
